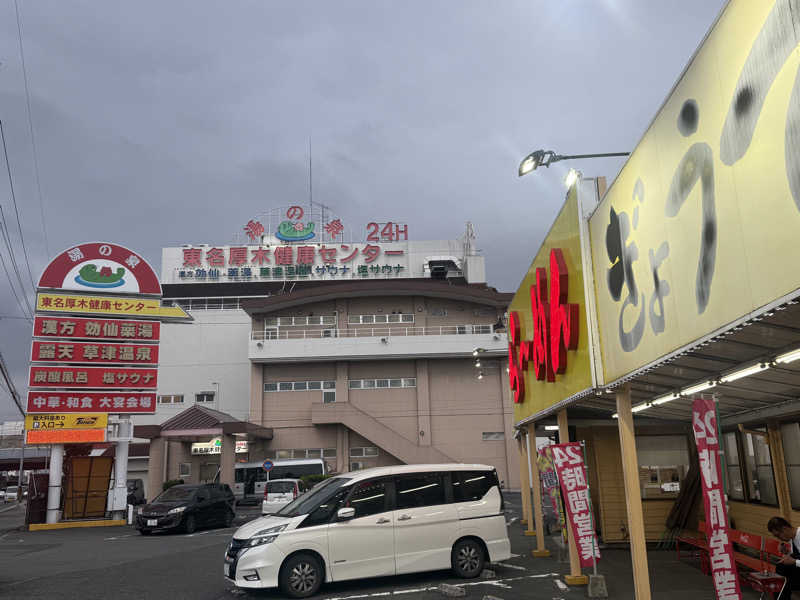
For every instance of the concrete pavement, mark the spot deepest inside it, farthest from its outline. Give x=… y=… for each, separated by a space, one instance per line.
x=116 y=562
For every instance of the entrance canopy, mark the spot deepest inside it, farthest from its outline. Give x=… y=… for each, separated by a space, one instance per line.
x=752 y=367
x=198 y=424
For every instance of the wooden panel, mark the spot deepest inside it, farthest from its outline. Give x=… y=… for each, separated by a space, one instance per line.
x=752 y=517
x=613 y=510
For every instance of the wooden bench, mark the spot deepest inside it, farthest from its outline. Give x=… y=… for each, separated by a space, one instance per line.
x=757 y=569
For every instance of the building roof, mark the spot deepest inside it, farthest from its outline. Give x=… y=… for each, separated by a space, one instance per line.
x=198 y=423
x=479 y=294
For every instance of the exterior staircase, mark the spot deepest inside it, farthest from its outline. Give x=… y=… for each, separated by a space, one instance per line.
x=379 y=434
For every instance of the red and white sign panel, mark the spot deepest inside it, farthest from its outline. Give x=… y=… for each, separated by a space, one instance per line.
x=93 y=377
x=105 y=329
x=720 y=548
x=92 y=402
x=65 y=436
x=84 y=352
x=568 y=460
x=101 y=267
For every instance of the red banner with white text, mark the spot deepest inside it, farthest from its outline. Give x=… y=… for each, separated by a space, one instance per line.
x=720 y=548
x=568 y=460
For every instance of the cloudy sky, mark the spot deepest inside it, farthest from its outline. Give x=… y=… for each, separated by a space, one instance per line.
x=162 y=123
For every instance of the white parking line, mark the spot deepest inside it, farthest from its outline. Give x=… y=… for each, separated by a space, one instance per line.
x=510 y=521
x=501 y=583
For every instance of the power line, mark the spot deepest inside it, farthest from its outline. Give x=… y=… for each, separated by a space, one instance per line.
x=30 y=127
x=16 y=210
x=7 y=377
x=7 y=240
x=13 y=289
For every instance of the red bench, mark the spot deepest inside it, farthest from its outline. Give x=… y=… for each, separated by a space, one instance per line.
x=756 y=571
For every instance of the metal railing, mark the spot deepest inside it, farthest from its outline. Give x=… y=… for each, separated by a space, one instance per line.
x=358 y=332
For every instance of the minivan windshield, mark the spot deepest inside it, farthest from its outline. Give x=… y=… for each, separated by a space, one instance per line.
x=176 y=494
x=310 y=501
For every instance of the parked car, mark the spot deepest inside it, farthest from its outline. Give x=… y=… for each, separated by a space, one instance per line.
x=373 y=523
x=187 y=507
x=279 y=492
x=136 y=492
x=3 y=495
x=11 y=493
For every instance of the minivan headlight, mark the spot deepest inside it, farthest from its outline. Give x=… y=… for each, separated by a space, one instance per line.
x=265 y=536
x=176 y=510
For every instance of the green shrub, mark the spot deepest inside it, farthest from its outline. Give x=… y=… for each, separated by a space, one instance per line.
x=170 y=483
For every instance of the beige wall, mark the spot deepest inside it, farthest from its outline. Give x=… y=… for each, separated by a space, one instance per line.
x=450 y=405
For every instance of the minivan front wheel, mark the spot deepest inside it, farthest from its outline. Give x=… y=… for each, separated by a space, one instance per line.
x=467 y=558
x=301 y=576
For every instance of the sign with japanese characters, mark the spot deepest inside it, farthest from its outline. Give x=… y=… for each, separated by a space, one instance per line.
x=215 y=447
x=92 y=377
x=548 y=350
x=700 y=227
x=65 y=436
x=77 y=401
x=569 y=465
x=282 y=262
x=100 y=266
x=99 y=329
x=66 y=421
x=549 y=480
x=720 y=548
x=99 y=352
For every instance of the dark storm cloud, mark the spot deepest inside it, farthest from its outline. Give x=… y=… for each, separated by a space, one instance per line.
x=161 y=123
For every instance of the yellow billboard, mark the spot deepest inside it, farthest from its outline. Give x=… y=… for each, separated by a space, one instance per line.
x=66 y=421
x=549 y=357
x=107 y=305
x=700 y=227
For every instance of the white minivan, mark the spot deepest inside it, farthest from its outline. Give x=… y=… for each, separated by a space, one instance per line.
x=375 y=522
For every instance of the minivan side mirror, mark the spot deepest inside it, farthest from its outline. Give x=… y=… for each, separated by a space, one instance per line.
x=345 y=514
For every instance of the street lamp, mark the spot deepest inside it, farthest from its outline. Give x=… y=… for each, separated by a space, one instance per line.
x=544 y=158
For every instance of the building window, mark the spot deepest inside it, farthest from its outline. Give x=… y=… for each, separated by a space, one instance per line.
x=300 y=321
x=185 y=470
x=329 y=453
x=283 y=454
x=299 y=386
x=731 y=449
x=367 y=451
x=438 y=312
x=790 y=434
x=204 y=397
x=356 y=466
x=481 y=329
x=760 y=477
x=663 y=463
x=490 y=436
x=372 y=384
x=314 y=453
x=370 y=319
x=749 y=462
x=329 y=396
x=171 y=399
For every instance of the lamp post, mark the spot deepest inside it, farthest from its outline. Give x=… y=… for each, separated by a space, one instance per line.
x=544 y=158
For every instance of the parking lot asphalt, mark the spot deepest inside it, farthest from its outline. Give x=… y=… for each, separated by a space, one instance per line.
x=116 y=562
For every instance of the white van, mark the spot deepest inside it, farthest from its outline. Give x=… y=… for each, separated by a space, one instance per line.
x=375 y=522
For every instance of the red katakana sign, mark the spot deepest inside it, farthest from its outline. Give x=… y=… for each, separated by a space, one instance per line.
x=568 y=460
x=86 y=352
x=105 y=329
x=91 y=402
x=720 y=548
x=555 y=329
x=92 y=377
